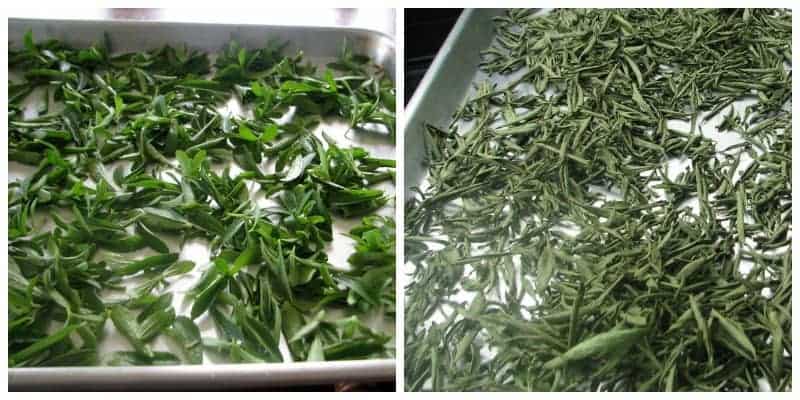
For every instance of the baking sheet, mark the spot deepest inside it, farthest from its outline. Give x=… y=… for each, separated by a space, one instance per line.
x=319 y=45
x=451 y=80
x=445 y=86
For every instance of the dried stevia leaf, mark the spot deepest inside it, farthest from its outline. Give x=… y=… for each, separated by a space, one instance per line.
x=604 y=343
x=741 y=343
x=610 y=172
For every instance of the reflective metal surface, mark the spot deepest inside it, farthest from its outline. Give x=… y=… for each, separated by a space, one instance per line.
x=205 y=377
x=377 y=19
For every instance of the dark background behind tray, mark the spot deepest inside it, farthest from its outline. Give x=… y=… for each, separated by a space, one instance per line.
x=425 y=31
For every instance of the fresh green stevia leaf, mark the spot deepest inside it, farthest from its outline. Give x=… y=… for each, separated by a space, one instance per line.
x=297 y=167
x=353 y=349
x=42 y=345
x=205 y=297
x=129 y=358
x=155 y=324
x=277 y=265
x=123 y=244
x=78 y=357
x=179 y=268
x=259 y=337
x=27 y=41
x=201 y=217
x=316 y=351
x=124 y=322
x=153 y=241
x=186 y=333
x=246 y=134
x=163 y=220
x=270 y=133
x=151 y=263
x=308 y=327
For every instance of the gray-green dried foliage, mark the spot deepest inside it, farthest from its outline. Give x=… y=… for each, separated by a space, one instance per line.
x=550 y=206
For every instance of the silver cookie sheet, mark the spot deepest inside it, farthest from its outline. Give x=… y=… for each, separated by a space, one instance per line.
x=319 y=45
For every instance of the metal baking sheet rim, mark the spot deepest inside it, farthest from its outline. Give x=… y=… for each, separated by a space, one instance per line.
x=219 y=376
x=192 y=377
x=444 y=86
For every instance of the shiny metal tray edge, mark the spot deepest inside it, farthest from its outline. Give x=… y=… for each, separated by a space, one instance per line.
x=198 y=377
x=319 y=41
